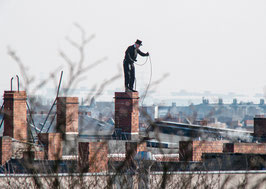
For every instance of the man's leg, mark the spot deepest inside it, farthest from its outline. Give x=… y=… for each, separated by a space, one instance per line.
x=132 y=76
x=126 y=74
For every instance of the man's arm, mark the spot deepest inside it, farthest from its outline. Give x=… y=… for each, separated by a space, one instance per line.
x=142 y=54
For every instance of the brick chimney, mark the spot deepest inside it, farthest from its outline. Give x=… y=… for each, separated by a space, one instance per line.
x=127 y=114
x=67 y=115
x=52 y=143
x=5 y=149
x=15 y=109
x=260 y=126
x=93 y=156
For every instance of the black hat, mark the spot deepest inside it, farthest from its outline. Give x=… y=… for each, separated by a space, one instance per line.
x=139 y=42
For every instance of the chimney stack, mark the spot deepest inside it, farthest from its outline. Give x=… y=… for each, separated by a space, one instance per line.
x=127 y=114
x=15 y=115
x=52 y=143
x=93 y=156
x=67 y=115
x=260 y=127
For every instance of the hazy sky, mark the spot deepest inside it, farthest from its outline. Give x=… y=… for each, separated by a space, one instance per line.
x=204 y=45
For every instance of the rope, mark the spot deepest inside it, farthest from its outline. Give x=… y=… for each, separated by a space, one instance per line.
x=148 y=86
x=144 y=96
x=143 y=63
x=140 y=65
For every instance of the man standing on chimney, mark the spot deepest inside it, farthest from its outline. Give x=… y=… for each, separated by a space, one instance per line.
x=129 y=68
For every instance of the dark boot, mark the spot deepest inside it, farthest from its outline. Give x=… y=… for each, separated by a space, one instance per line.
x=128 y=89
x=132 y=90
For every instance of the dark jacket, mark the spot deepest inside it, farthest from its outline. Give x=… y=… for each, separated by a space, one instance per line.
x=131 y=54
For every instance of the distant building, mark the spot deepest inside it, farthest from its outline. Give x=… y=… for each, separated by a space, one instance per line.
x=150 y=112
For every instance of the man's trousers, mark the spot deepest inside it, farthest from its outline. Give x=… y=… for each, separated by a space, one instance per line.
x=129 y=73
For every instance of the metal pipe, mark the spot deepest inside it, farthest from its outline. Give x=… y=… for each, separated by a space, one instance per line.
x=11 y=81
x=2 y=120
x=56 y=98
x=31 y=132
x=32 y=121
x=51 y=124
x=1 y=113
x=59 y=84
x=17 y=82
x=47 y=116
x=2 y=107
x=58 y=88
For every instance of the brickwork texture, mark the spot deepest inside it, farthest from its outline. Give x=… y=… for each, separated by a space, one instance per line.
x=246 y=148
x=192 y=150
x=52 y=145
x=6 y=149
x=127 y=111
x=15 y=112
x=93 y=156
x=67 y=114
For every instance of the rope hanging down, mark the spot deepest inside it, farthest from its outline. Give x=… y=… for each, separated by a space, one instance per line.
x=148 y=86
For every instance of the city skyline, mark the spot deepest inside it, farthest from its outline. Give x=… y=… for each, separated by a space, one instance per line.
x=181 y=98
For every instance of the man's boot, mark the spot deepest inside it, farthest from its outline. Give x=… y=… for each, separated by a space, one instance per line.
x=132 y=90
x=127 y=89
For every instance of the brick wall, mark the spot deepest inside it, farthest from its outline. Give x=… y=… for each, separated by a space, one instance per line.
x=15 y=112
x=260 y=127
x=67 y=114
x=127 y=111
x=6 y=149
x=246 y=148
x=93 y=156
x=52 y=145
x=192 y=150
